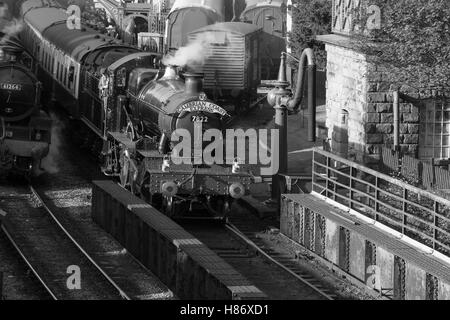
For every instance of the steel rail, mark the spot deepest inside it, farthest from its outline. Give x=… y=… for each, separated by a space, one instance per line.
x=29 y=264
x=232 y=228
x=55 y=219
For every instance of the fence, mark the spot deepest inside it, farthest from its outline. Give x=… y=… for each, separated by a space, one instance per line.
x=412 y=211
x=425 y=174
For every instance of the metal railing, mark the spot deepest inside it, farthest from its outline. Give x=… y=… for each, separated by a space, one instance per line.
x=414 y=212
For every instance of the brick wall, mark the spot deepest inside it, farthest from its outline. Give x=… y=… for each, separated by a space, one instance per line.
x=363 y=90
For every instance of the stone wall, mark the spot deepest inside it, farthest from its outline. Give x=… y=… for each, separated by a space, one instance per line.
x=363 y=89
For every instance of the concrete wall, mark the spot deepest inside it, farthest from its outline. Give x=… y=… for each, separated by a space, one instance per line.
x=385 y=260
x=332 y=242
x=444 y=291
x=357 y=256
x=415 y=283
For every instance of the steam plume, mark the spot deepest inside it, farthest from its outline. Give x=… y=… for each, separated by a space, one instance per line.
x=9 y=27
x=194 y=53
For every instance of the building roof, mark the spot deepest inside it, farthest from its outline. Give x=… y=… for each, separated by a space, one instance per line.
x=43 y=17
x=234 y=27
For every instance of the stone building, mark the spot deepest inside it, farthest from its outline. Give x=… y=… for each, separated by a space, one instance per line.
x=360 y=115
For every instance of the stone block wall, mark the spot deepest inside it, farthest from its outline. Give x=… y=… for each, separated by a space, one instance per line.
x=363 y=89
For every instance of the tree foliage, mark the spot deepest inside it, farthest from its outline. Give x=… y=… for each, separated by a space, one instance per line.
x=413 y=41
x=310 y=18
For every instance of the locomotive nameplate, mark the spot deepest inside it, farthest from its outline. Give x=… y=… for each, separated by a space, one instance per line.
x=205 y=106
x=11 y=86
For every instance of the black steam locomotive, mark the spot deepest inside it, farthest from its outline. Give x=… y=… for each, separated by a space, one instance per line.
x=25 y=129
x=133 y=106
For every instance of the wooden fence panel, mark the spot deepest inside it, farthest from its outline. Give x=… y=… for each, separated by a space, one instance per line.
x=427 y=175
x=442 y=178
x=390 y=159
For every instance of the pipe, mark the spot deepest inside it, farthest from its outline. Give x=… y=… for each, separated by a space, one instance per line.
x=306 y=59
x=396 y=107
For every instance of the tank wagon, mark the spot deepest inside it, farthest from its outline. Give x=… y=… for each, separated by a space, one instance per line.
x=188 y=15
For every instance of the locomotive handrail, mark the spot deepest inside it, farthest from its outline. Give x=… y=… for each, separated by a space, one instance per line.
x=148 y=103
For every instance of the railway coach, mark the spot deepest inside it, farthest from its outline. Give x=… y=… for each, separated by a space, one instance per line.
x=70 y=61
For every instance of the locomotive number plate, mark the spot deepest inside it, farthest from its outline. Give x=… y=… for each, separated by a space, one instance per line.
x=11 y=86
x=202 y=119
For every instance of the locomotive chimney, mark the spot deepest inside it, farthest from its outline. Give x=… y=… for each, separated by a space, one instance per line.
x=171 y=72
x=194 y=83
x=13 y=53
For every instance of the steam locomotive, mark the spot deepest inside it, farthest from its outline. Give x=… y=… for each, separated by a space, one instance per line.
x=25 y=129
x=133 y=105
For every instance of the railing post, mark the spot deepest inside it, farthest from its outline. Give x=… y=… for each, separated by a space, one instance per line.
x=328 y=161
x=404 y=210
x=313 y=171
x=435 y=207
x=377 y=198
x=351 y=188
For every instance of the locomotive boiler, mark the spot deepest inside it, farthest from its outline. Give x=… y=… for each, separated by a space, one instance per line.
x=25 y=130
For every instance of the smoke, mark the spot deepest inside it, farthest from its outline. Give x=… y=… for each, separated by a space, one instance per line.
x=50 y=163
x=195 y=52
x=9 y=26
x=11 y=29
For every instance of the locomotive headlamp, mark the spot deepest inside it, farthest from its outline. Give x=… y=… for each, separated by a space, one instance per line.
x=237 y=190
x=169 y=189
x=236 y=167
x=38 y=136
x=165 y=165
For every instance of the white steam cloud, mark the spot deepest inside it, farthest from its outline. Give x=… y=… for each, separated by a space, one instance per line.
x=195 y=52
x=50 y=163
x=9 y=27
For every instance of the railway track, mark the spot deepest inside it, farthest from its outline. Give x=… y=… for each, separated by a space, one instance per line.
x=285 y=262
x=276 y=275
x=50 y=251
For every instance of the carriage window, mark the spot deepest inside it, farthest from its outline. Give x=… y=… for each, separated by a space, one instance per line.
x=435 y=130
x=71 y=75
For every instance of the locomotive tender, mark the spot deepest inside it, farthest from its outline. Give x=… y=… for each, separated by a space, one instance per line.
x=25 y=129
x=136 y=113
